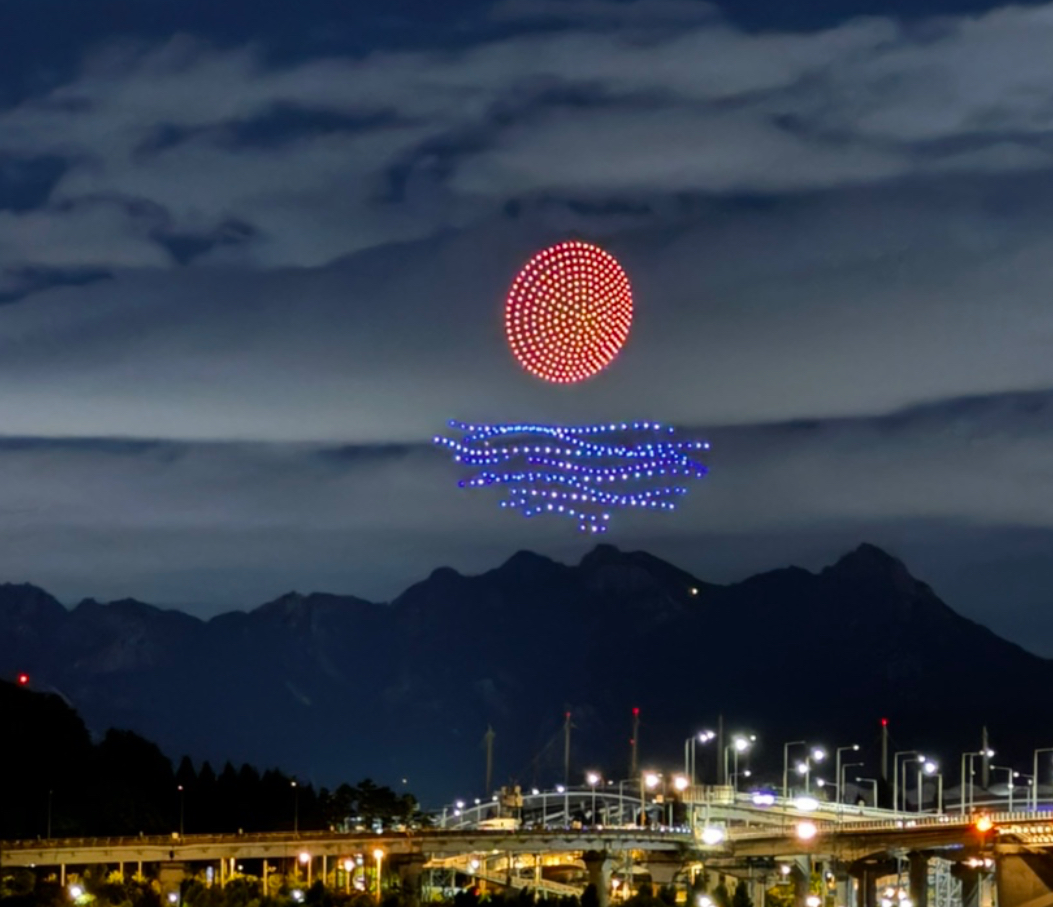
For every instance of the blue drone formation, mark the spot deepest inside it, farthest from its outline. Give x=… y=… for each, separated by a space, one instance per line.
x=581 y=472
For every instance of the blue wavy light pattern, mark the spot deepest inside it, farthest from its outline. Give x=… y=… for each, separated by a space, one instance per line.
x=583 y=472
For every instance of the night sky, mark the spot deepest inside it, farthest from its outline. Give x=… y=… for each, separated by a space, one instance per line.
x=253 y=256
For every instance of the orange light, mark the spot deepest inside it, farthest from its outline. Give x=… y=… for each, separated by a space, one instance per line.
x=568 y=312
x=984 y=824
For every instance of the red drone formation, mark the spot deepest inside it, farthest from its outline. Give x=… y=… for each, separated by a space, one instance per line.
x=568 y=312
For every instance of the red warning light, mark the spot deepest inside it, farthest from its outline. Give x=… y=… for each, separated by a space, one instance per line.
x=23 y=679
x=884 y=722
x=636 y=712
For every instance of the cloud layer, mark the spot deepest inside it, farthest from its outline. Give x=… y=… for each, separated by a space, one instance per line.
x=290 y=274
x=326 y=156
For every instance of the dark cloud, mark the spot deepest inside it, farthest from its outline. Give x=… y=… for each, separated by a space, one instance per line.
x=958 y=489
x=839 y=238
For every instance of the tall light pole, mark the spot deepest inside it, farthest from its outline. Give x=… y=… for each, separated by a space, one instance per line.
x=873 y=782
x=967 y=780
x=837 y=759
x=1009 y=776
x=786 y=765
x=51 y=794
x=841 y=779
x=180 y=789
x=680 y=784
x=378 y=855
x=1035 y=776
x=739 y=744
x=817 y=754
x=593 y=778
x=296 y=807
x=921 y=761
x=349 y=867
x=648 y=781
x=895 y=776
x=689 y=752
x=925 y=767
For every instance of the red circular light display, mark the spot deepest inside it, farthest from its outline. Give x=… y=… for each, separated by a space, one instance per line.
x=568 y=312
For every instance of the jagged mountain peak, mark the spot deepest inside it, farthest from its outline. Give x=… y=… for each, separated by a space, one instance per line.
x=511 y=647
x=870 y=560
x=527 y=562
x=25 y=599
x=880 y=576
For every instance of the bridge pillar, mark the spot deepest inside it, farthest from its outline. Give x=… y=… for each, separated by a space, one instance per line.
x=918 y=878
x=410 y=869
x=170 y=878
x=1024 y=880
x=970 y=879
x=758 y=889
x=664 y=868
x=801 y=873
x=844 y=887
x=598 y=864
x=867 y=875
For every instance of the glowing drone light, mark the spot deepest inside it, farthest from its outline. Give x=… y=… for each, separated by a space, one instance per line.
x=568 y=313
x=582 y=472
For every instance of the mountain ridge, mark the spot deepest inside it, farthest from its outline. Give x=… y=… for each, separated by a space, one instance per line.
x=317 y=681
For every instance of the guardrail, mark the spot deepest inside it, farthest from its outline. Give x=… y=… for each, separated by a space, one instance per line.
x=904 y=823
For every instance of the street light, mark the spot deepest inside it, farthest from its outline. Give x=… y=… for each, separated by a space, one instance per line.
x=305 y=860
x=593 y=779
x=180 y=789
x=921 y=760
x=1035 y=776
x=895 y=776
x=349 y=867
x=296 y=807
x=806 y=830
x=738 y=745
x=378 y=855
x=874 y=786
x=837 y=770
x=925 y=767
x=968 y=758
x=841 y=779
x=1009 y=776
x=648 y=781
x=804 y=768
x=786 y=765
x=689 y=752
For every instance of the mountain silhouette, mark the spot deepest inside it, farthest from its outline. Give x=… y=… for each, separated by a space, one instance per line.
x=331 y=686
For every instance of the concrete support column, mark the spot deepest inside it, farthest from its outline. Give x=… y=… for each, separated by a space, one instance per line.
x=1024 y=880
x=867 y=877
x=62 y=874
x=918 y=876
x=170 y=878
x=846 y=889
x=410 y=869
x=801 y=873
x=758 y=889
x=664 y=868
x=598 y=865
x=970 y=879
